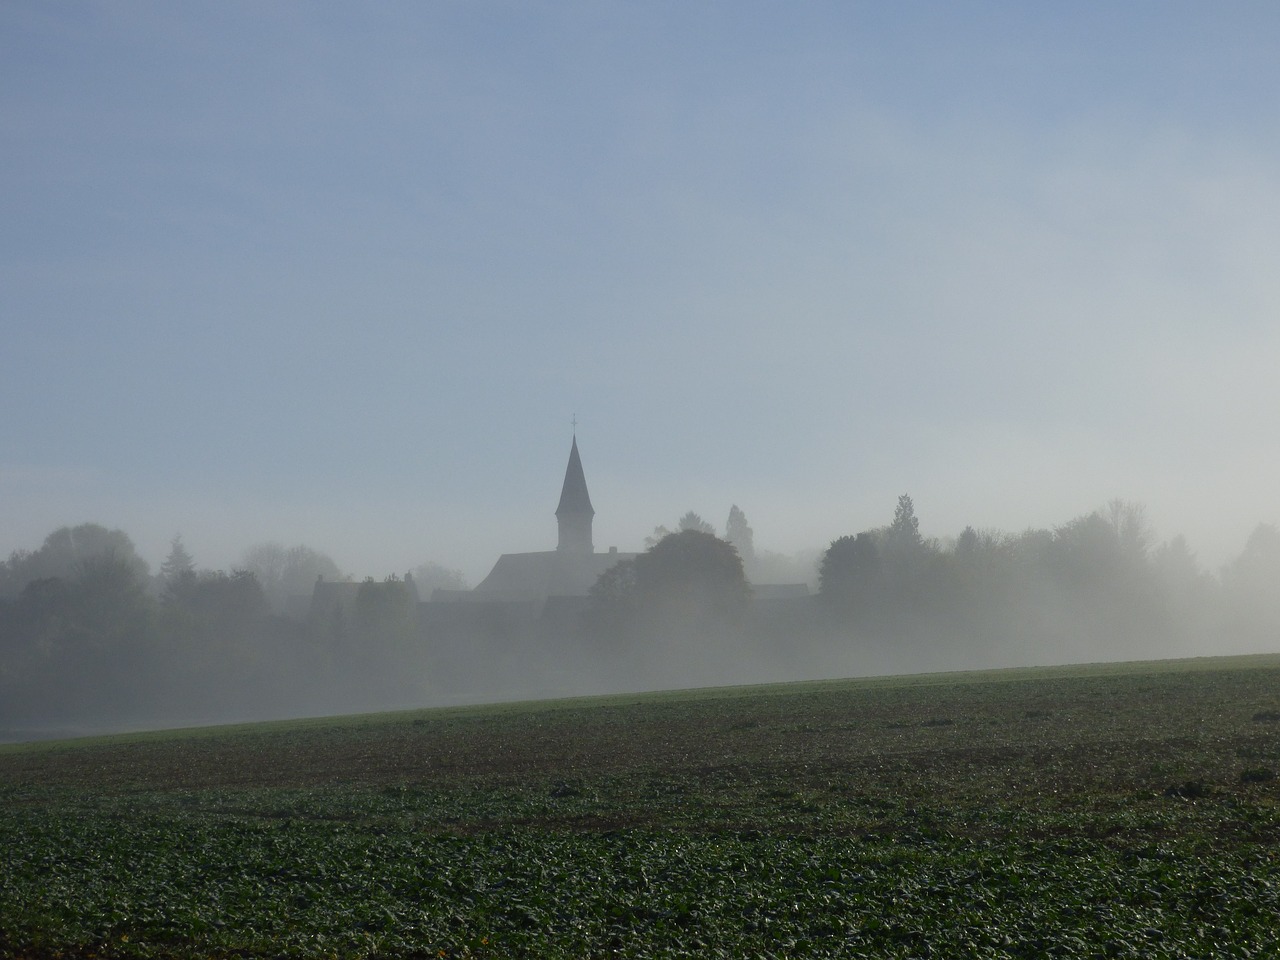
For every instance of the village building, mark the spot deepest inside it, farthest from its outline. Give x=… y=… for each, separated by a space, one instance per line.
x=568 y=571
x=522 y=627
x=543 y=591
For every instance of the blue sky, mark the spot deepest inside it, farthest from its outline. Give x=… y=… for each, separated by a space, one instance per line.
x=341 y=274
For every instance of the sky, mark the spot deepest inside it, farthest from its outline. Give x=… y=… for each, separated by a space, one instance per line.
x=345 y=274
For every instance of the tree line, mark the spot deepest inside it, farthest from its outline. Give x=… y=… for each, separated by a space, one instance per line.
x=88 y=634
x=1097 y=587
x=891 y=600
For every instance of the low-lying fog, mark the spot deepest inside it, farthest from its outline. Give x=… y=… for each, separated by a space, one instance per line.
x=91 y=639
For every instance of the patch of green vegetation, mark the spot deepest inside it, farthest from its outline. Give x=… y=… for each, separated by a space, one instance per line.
x=1101 y=812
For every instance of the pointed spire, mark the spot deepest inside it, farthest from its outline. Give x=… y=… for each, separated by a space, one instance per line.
x=575 y=511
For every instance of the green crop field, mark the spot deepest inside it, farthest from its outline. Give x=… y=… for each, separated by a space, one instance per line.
x=1105 y=811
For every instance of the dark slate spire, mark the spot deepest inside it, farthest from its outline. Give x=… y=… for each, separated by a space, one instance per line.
x=575 y=511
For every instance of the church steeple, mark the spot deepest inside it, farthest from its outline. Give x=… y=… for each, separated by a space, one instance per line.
x=575 y=512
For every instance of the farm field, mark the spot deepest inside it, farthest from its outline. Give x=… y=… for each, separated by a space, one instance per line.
x=1125 y=810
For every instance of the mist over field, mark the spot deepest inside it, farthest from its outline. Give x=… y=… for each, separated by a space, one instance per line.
x=91 y=640
x=324 y=293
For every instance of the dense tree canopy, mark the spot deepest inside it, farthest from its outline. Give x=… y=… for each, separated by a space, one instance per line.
x=692 y=571
x=739 y=533
x=431 y=576
x=288 y=572
x=851 y=569
x=62 y=554
x=1251 y=584
x=687 y=579
x=690 y=521
x=178 y=564
x=85 y=632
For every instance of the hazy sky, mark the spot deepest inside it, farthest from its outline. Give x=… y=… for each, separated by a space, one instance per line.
x=341 y=274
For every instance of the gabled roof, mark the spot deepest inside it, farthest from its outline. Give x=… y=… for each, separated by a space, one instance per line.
x=574 y=499
x=551 y=573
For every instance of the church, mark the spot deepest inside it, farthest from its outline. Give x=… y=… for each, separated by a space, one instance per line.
x=522 y=627
x=566 y=572
x=546 y=587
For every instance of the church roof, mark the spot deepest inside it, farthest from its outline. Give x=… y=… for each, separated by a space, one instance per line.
x=551 y=573
x=574 y=499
